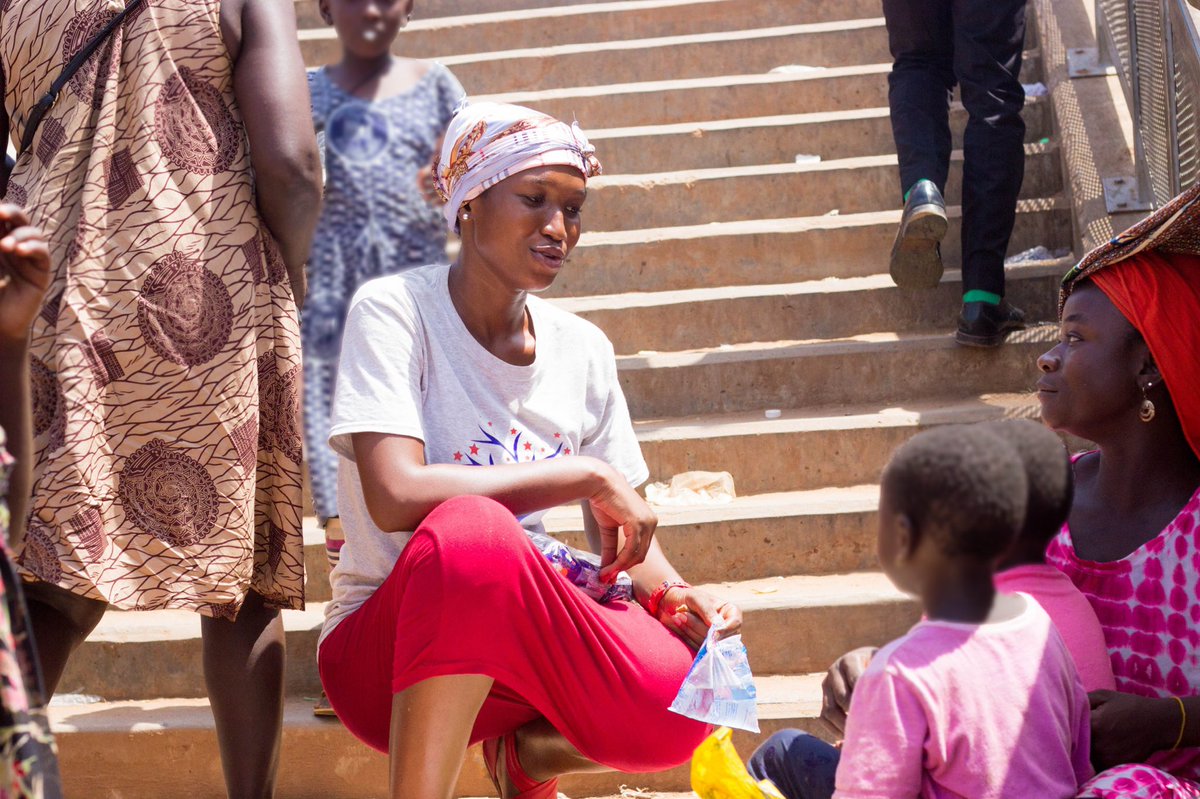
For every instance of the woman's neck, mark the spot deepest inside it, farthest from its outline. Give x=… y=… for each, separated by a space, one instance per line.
x=1149 y=463
x=494 y=314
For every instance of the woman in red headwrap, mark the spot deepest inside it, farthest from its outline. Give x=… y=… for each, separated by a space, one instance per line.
x=1126 y=375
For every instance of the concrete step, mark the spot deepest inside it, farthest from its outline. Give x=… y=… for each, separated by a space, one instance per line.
x=307 y=15
x=793 y=624
x=847 y=186
x=825 y=531
x=887 y=368
x=830 y=135
x=732 y=96
x=809 y=449
x=148 y=749
x=830 y=308
x=532 y=28
x=766 y=251
x=694 y=55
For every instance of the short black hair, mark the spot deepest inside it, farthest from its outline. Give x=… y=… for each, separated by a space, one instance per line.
x=962 y=483
x=1048 y=476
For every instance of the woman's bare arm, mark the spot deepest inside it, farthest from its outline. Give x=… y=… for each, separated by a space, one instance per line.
x=272 y=94
x=400 y=489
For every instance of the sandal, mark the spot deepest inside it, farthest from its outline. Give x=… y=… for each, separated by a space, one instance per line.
x=527 y=788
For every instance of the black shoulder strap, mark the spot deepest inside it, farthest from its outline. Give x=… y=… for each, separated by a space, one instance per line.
x=51 y=97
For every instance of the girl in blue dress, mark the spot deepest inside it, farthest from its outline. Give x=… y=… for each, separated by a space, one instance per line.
x=380 y=118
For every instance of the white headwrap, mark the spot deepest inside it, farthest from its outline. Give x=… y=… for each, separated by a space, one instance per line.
x=487 y=142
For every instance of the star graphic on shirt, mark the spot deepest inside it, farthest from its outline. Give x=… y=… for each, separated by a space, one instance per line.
x=567 y=450
x=512 y=432
x=474 y=450
x=458 y=456
x=528 y=445
x=558 y=435
x=489 y=424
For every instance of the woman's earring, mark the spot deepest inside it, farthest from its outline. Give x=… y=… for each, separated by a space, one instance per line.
x=465 y=215
x=1146 y=411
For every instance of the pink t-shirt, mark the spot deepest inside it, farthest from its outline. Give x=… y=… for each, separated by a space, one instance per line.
x=985 y=711
x=1072 y=615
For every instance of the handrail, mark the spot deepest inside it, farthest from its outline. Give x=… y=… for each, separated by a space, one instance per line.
x=1155 y=48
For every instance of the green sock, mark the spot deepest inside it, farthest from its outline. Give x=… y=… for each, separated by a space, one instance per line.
x=979 y=295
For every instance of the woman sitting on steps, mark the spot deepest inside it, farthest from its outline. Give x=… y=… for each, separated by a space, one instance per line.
x=464 y=409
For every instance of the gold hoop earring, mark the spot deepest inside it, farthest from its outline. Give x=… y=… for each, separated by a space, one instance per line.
x=1146 y=411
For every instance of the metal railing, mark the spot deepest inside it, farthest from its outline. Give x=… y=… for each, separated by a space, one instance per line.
x=1154 y=46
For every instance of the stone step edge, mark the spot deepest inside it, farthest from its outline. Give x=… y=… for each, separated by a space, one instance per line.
x=550 y=15
x=793 y=224
x=1029 y=270
x=764 y=594
x=773 y=121
x=816 y=348
x=664 y=42
x=531 y=97
x=779 y=697
x=688 y=177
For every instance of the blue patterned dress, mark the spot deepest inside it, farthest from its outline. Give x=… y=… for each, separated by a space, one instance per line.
x=375 y=222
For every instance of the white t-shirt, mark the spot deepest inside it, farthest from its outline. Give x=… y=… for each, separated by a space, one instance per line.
x=410 y=367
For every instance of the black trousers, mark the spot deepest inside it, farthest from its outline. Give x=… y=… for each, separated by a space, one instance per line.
x=976 y=44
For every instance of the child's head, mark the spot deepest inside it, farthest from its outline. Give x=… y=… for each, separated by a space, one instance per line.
x=367 y=28
x=951 y=494
x=1048 y=480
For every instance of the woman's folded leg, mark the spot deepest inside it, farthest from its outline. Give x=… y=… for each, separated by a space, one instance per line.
x=471 y=595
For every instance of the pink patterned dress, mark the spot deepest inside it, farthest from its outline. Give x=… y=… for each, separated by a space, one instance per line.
x=1148 y=604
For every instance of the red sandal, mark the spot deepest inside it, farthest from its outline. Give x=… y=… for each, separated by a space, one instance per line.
x=527 y=788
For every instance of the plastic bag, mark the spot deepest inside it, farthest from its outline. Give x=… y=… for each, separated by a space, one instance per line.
x=718 y=772
x=719 y=688
x=693 y=488
x=582 y=569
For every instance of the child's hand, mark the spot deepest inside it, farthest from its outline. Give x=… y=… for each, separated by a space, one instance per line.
x=24 y=273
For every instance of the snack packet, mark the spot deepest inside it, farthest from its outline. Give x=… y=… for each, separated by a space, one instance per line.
x=719 y=688
x=582 y=569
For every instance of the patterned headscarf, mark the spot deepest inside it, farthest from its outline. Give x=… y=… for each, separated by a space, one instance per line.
x=488 y=142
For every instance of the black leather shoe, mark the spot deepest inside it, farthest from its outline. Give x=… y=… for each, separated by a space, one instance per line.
x=981 y=324
x=916 y=261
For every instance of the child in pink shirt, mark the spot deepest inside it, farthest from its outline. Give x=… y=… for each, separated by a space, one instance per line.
x=1049 y=477
x=981 y=698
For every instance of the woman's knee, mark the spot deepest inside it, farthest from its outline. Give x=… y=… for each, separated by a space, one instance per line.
x=472 y=522
x=468 y=541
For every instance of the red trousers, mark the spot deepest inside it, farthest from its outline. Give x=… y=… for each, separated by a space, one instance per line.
x=471 y=595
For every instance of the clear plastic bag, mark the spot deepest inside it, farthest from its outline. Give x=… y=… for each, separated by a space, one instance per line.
x=582 y=569
x=719 y=688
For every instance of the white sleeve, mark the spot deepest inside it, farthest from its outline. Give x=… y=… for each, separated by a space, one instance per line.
x=613 y=440
x=381 y=369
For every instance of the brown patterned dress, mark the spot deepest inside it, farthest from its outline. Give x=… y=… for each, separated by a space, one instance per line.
x=166 y=361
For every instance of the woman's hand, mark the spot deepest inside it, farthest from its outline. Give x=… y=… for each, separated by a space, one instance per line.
x=1127 y=728
x=618 y=508
x=839 y=683
x=24 y=273
x=689 y=612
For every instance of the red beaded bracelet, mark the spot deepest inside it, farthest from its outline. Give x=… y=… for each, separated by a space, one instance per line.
x=656 y=596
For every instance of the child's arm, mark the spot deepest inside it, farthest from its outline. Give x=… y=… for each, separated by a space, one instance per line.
x=24 y=278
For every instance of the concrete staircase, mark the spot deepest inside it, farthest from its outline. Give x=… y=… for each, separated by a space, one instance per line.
x=733 y=278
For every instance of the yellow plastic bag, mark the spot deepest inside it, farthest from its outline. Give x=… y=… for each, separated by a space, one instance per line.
x=718 y=772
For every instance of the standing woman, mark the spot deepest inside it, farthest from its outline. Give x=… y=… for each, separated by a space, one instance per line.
x=465 y=407
x=1126 y=375
x=177 y=180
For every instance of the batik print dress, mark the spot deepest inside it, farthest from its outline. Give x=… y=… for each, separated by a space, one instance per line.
x=28 y=758
x=1148 y=604
x=166 y=359
x=375 y=222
